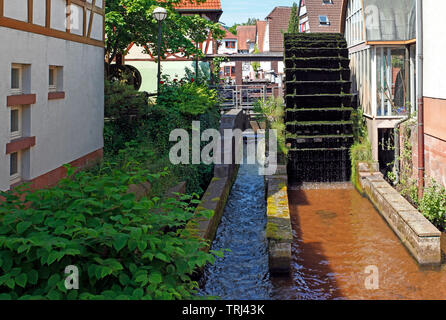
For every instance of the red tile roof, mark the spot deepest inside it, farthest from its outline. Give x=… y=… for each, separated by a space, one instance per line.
x=261 y=28
x=278 y=20
x=207 y=5
x=315 y=8
x=244 y=34
x=228 y=35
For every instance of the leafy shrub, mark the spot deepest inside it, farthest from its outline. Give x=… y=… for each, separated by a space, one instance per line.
x=360 y=152
x=124 y=248
x=272 y=111
x=125 y=110
x=433 y=204
x=189 y=98
x=147 y=139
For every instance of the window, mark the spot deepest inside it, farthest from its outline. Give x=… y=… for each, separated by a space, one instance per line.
x=392 y=91
x=16 y=122
x=52 y=82
x=323 y=20
x=354 y=24
x=230 y=44
x=16 y=79
x=327 y=1
x=14 y=167
x=227 y=71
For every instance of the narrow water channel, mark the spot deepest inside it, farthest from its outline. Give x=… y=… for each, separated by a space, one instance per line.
x=243 y=274
x=338 y=234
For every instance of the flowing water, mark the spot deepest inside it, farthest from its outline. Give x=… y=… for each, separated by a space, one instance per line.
x=338 y=235
x=243 y=273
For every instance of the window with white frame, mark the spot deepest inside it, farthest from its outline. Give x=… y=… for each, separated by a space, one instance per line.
x=327 y=1
x=52 y=79
x=323 y=21
x=393 y=95
x=15 y=167
x=354 y=24
x=16 y=122
x=16 y=79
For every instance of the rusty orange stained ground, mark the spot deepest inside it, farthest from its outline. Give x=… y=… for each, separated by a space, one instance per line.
x=337 y=235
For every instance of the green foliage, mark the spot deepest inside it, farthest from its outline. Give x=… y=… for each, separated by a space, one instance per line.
x=407 y=184
x=217 y=66
x=293 y=26
x=433 y=204
x=360 y=132
x=256 y=64
x=272 y=111
x=361 y=151
x=190 y=99
x=125 y=249
x=125 y=110
x=130 y=21
x=148 y=136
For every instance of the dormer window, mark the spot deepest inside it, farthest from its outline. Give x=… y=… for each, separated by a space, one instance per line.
x=327 y=2
x=323 y=21
x=230 y=44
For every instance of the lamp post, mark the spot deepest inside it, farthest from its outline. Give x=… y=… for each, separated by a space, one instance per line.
x=160 y=14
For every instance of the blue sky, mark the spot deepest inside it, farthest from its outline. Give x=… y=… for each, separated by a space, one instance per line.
x=238 y=11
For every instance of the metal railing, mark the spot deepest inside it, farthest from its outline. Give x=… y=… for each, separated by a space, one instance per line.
x=243 y=96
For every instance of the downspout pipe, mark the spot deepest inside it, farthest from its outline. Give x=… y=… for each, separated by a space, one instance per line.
x=420 y=101
x=396 y=130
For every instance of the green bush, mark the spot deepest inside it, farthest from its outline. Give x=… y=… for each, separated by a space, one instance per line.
x=360 y=152
x=189 y=98
x=272 y=111
x=179 y=105
x=124 y=248
x=125 y=110
x=433 y=205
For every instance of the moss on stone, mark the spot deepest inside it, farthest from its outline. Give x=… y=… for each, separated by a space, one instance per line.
x=272 y=231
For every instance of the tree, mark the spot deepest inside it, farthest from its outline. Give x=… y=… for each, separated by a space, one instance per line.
x=130 y=21
x=293 y=26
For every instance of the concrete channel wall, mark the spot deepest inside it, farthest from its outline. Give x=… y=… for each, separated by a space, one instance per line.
x=420 y=236
x=278 y=229
x=217 y=193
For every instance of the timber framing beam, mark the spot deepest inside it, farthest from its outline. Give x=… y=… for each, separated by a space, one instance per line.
x=29 y=26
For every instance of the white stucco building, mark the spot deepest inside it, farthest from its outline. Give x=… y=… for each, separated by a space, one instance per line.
x=51 y=88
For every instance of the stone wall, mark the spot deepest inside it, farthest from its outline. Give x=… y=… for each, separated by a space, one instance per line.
x=217 y=193
x=278 y=229
x=419 y=236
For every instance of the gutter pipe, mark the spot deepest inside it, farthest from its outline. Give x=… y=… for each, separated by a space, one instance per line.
x=420 y=101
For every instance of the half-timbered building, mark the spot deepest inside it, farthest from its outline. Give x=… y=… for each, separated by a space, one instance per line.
x=51 y=88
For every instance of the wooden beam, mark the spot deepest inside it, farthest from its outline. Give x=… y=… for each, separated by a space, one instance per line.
x=30 y=11
x=398 y=42
x=90 y=23
x=84 y=22
x=1 y=8
x=90 y=6
x=48 y=14
x=33 y=28
x=68 y=17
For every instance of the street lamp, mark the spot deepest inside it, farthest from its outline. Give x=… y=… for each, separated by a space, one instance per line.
x=160 y=14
